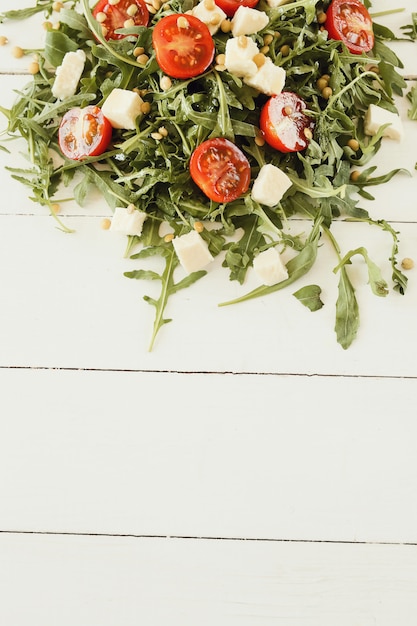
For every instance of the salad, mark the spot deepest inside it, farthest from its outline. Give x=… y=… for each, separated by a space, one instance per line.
x=207 y=125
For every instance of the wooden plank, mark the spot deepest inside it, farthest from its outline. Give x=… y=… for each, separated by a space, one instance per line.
x=106 y=580
x=323 y=458
x=67 y=304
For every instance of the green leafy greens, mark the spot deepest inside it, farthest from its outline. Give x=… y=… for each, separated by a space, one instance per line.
x=151 y=172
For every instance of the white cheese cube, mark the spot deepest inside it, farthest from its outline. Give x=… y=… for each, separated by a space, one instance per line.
x=128 y=221
x=269 y=267
x=270 y=185
x=192 y=251
x=210 y=14
x=122 y=107
x=377 y=116
x=239 y=55
x=247 y=21
x=276 y=3
x=268 y=79
x=68 y=74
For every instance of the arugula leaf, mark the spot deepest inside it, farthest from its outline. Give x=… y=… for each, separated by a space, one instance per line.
x=310 y=297
x=168 y=285
x=57 y=44
x=46 y=6
x=297 y=267
x=153 y=173
x=412 y=96
x=378 y=284
x=347 y=311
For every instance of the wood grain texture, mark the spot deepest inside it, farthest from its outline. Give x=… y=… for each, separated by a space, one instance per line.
x=272 y=457
x=248 y=471
x=108 y=580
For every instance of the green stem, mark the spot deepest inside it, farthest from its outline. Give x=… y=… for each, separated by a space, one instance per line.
x=388 y=12
x=333 y=241
x=93 y=27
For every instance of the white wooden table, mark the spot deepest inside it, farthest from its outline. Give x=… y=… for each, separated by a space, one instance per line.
x=248 y=471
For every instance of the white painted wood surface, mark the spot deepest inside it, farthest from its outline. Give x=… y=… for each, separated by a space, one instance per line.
x=248 y=471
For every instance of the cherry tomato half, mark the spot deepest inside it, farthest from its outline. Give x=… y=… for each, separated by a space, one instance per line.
x=84 y=133
x=284 y=124
x=220 y=169
x=111 y=17
x=349 y=21
x=183 y=45
x=231 y=6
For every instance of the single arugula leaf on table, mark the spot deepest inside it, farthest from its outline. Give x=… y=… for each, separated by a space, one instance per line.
x=168 y=285
x=310 y=297
x=412 y=97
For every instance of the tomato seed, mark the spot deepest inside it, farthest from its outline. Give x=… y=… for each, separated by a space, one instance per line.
x=182 y=22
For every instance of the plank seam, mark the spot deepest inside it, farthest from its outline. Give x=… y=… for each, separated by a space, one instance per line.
x=205 y=538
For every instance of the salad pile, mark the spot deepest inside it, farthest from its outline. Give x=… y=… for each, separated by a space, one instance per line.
x=206 y=125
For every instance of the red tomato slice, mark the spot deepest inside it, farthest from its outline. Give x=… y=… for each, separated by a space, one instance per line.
x=220 y=169
x=231 y=6
x=84 y=133
x=183 y=45
x=111 y=17
x=349 y=21
x=284 y=124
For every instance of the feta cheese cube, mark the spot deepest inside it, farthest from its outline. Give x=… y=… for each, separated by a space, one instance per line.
x=128 y=221
x=210 y=14
x=68 y=74
x=239 y=55
x=268 y=78
x=122 y=107
x=192 y=251
x=247 y=21
x=377 y=116
x=270 y=185
x=269 y=267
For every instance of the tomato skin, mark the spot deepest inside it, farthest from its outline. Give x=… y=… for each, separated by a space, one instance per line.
x=220 y=169
x=231 y=6
x=84 y=133
x=182 y=52
x=284 y=124
x=349 y=21
x=116 y=16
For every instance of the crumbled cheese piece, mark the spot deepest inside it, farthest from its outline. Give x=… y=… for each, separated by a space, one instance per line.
x=127 y=221
x=268 y=79
x=247 y=21
x=270 y=185
x=377 y=116
x=122 y=107
x=239 y=55
x=269 y=267
x=210 y=14
x=68 y=74
x=192 y=251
